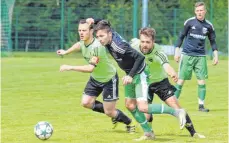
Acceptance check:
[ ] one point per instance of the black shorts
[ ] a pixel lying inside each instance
(163, 89)
(108, 89)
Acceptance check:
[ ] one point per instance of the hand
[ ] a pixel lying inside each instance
(90, 21)
(65, 68)
(127, 80)
(177, 58)
(60, 52)
(174, 77)
(215, 61)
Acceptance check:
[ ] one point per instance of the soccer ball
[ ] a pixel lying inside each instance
(43, 130)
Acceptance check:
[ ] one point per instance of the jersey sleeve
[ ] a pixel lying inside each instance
(161, 57)
(182, 34)
(212, 37)
(139, 60)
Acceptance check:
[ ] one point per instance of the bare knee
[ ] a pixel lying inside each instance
(143, 106)
(143, 109)
(86, 104)
(130, 106)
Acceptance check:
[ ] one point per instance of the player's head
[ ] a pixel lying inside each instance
(147, 38)
(103, 32)
(85, 30)
(200, 10)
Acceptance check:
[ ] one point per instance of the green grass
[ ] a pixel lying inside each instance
(33, 90)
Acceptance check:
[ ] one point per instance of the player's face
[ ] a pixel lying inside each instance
(146, 44)
(200, 12)
(104, 37)
(84, 32)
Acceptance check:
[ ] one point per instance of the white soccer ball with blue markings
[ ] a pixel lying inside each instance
(43, 130)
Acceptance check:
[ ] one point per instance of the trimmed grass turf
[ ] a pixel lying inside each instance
(33, 90)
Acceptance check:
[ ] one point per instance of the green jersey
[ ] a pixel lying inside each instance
(154, 61)
(104, 70)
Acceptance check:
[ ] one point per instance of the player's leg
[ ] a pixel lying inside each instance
(184, 72)
(153, 108)
(165, 91)
(201, 74)
(110, 96)
(91, 92)
(130, 103)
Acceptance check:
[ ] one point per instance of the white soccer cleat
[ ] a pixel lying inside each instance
(197, 135)
(147, 136)
(181, 117)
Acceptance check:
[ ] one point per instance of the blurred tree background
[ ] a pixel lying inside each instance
(40, 26)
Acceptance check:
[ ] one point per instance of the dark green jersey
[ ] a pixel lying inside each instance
(104, 70)
(154, 61)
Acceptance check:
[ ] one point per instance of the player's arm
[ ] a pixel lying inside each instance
(211, 37)
(163, 59)
(85, 68)
(75, 47)
(182, 34)
(139, 60)
(170, 71)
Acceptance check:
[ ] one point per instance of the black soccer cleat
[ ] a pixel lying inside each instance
(202, 109)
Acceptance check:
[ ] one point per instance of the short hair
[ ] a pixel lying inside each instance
(199, 4)
(83, 21)
(103, 25)
(149, 32)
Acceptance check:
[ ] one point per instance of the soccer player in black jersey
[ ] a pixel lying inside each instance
(193, 57)
(135, 81)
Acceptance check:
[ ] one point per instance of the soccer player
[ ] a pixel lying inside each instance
(103, 77)
(193, 57)
(135, 82)
(159, 67)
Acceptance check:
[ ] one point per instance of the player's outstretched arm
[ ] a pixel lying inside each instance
(75, 47)
(85, 68)
(170, 71)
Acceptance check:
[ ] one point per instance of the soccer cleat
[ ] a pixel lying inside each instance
(181, 115)
(202, 109)
(147, 136)
(114, 122)
(197, 135)
(131, 128)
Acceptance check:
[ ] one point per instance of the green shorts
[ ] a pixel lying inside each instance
(198, 64)
(138, 89)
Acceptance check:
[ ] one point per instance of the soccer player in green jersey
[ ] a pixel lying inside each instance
(158, 68)
(193, 57)
(103, 77)
(135, 80)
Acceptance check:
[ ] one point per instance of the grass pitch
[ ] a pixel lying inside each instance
(34, 90)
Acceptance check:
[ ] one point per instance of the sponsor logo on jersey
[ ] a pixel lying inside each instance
(204, 30)
(198, 36)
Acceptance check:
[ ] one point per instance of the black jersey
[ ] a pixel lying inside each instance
(195, 33)
(128, 59)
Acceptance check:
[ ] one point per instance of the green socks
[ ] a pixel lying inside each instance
(160, 109)
(201, 93)
(178, 91)
(141, 119)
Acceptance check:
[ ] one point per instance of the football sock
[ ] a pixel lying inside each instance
(201, 93)
(178, 90)
(98, 107)
(160, 109)
(141, 119)
(121, 117)
(189, 126)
